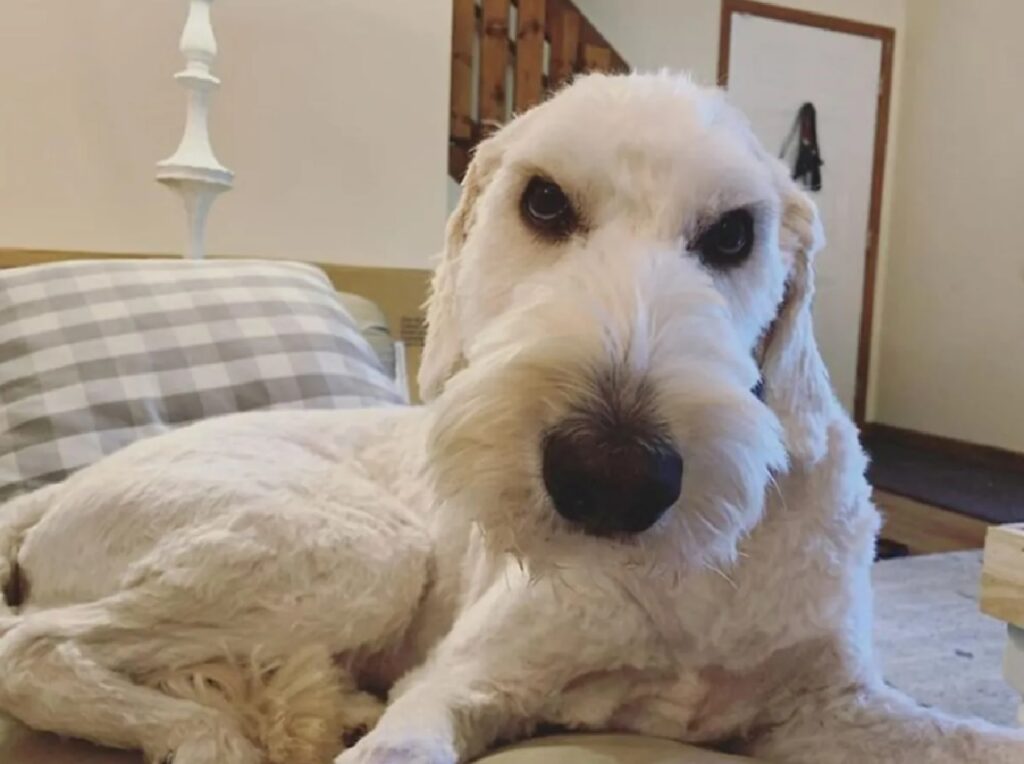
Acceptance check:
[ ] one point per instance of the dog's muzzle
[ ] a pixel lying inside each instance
(610, 483)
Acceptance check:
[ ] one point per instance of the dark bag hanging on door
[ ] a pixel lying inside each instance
(807, 167)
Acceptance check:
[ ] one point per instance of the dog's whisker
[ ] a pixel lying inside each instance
(773, 482)
(708, 524)
(719, 572)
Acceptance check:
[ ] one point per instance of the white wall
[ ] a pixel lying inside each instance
(953, 342)
(333, 113)
(948, 347)
(683, 34)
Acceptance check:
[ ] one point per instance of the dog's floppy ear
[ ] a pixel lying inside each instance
(796, 382)
(443, 348)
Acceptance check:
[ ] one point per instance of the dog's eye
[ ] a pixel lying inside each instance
(547, 209)
(727, 242)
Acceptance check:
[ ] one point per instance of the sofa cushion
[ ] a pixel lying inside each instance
(97, 354)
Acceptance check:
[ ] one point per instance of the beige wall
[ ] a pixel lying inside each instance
(333, 114)
(952, 351)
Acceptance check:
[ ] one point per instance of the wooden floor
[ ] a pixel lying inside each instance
(926, 529)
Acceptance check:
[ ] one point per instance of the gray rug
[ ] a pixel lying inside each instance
(934, 642)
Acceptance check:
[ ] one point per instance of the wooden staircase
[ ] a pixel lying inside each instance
(507, 55)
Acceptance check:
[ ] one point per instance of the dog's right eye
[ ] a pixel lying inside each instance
(547, 209)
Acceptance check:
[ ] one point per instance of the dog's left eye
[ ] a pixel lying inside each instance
(547, 209)
(728, 241)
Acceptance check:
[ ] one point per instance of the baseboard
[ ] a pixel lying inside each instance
(975, 453)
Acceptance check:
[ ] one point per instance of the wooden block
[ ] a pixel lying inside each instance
(494, 47)
(1013, 666)
(463, 32)
(530, 54)
(1002, 577)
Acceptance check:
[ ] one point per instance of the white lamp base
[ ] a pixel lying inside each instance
(193, 170)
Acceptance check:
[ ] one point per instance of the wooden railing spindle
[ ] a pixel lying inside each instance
(564, 23)
(494, 50)
(529, 79)
(463, 32)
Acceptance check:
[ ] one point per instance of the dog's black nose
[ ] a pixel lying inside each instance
(610, 483)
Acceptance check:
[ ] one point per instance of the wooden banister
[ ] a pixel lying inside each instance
(564, 25)
(463, 34)
(529, 79)
(507, 55)
(494, 63)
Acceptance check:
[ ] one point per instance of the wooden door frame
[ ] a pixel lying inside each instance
(887, 36)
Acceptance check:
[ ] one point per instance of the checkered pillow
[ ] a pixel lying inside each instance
(97, 354)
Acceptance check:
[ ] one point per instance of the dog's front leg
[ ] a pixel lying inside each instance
(873, 724)
(503, 661)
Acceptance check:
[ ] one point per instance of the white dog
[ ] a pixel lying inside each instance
(596, 522)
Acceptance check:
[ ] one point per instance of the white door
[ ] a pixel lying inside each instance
(774, 67)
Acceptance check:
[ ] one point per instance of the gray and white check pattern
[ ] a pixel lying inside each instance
(95, 355)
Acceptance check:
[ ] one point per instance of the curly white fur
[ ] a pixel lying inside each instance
(418, 547)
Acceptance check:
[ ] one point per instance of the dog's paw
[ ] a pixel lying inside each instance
(360, 714)
(380, 749)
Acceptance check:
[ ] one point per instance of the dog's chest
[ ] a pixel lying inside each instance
(699, 706)
(709, 693)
